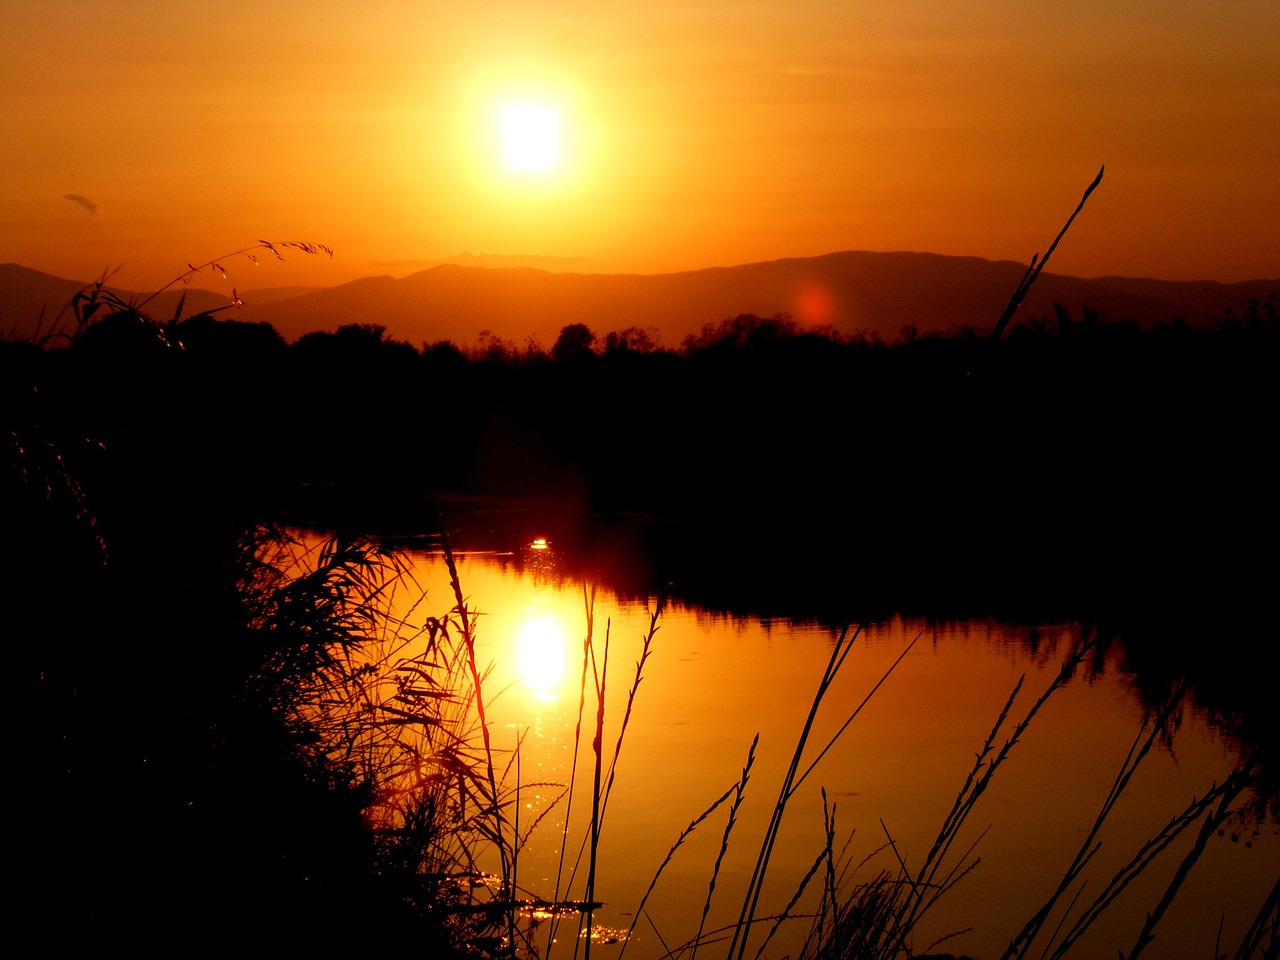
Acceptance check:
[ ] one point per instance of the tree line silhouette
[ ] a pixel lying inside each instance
(1102, 438)
(1071, 457)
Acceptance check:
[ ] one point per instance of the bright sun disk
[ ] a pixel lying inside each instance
(530, 136)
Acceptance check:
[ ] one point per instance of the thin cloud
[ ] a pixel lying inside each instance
(83, 201)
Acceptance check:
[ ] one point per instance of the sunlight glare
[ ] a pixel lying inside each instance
(541, 655)
(530, 136)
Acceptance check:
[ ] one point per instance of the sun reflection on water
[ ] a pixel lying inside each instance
(541, 655)
(540, 641)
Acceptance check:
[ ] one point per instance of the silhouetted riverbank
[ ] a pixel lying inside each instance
(1080, 468)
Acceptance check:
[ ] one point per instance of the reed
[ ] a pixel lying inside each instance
(98, 301)
(447, 798)
(410, 709)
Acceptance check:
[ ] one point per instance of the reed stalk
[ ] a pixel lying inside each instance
(738, 793)
(1036, 265)
(600, 673)
(653, 883)
(925, 888)
(1144, 740)
(588, 597)
(747, 915)
(494, 811)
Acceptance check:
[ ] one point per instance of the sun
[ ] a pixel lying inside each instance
(530, 136)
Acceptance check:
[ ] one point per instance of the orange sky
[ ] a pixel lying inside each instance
(148, 134)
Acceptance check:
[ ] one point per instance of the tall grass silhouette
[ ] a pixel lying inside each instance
(467, 808)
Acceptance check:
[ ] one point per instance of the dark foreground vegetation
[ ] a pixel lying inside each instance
(172, 779)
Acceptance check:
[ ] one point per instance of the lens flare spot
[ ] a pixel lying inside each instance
(814, 304)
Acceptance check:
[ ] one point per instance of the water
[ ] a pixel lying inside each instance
(712, 682)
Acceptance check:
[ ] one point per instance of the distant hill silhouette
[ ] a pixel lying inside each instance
(852, 291)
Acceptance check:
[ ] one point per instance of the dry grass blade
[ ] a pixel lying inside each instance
(653, 883)
(977, 785)
(739, 793)
(588, 596)
(1226, 795)
(856, 710)
(1265, 927)
(746, 918)
(1144, 740)
(1145, 856)
(597, 746)
(215, 264)
(469, 645)
(645, 650)
(830, 924)
(823, 856)
(1033, 271)
(603, 777)
(793, 779)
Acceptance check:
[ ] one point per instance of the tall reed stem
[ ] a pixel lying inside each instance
(741, 932)
(469, 643)
(1036, 265)
(597, 745)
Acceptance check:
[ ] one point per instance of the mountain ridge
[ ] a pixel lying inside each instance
(852, 292)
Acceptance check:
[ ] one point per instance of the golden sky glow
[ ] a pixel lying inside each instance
(148, 134)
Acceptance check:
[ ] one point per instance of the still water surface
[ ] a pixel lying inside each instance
(713, 682)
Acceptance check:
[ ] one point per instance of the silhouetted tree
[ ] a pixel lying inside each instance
(491, 348)
(631, 340)
(444, 352)
(746, 331)
(230, 340)
(354, 346)
(574, 344)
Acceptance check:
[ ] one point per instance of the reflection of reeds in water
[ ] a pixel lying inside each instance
(412, 720)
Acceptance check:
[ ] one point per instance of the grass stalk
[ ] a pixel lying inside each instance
(739, 792)
(216, 264)
(588, 597)
(469, 645)
(653, 883)
(824, 857)
(924, 887)
(741, 933)
(600, 673)
(1265, 927)
(603, 780)
(1222, 795)
(1144, 740)
(1036, 265)
(854, 714)
(646, 649)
